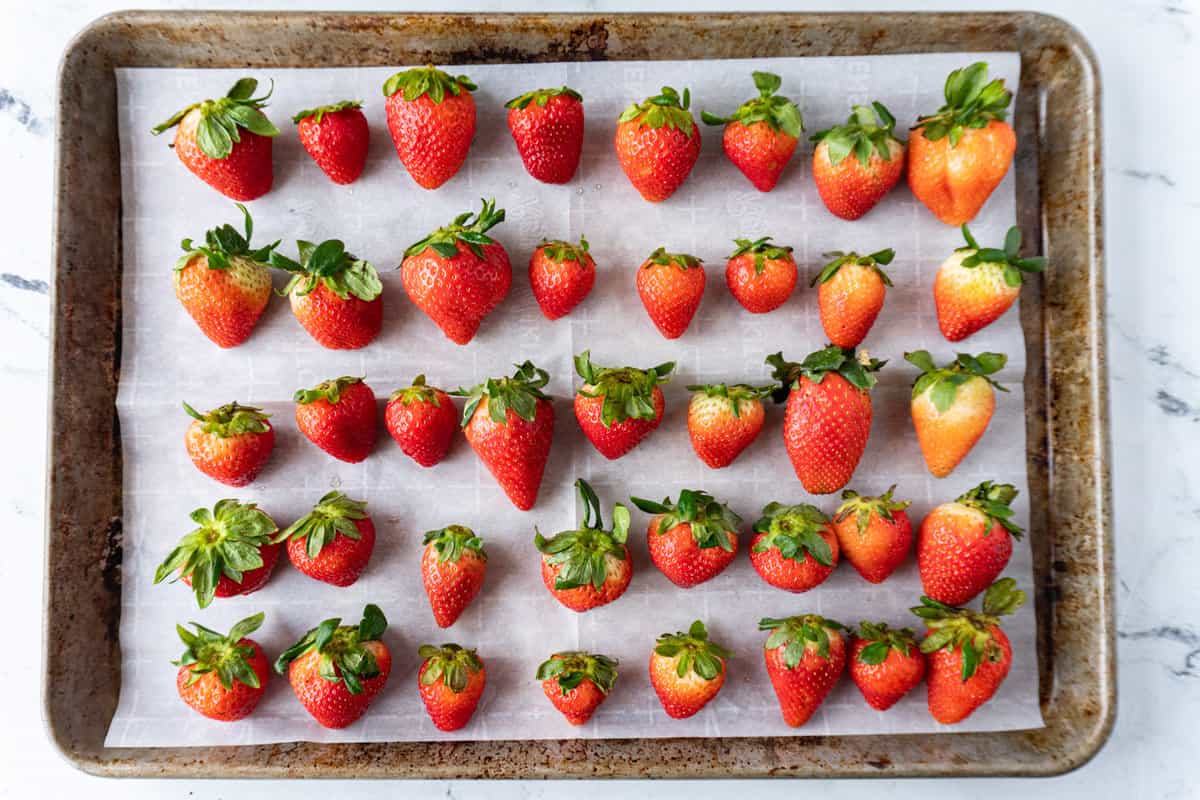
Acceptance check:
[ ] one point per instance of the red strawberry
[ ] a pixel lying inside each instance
(337, 137)
(576, 682)
(230, 444)
(452, 568)
(618, 407)
(692, 540)
(976, 285)
(431, 116)
(223, 284)
(851, 294)
(687, 670)
(510, 424)
(229, 553)
(227, 142)
(963, 546)
(828, 416)
(671, 286)
(850, 187)
(761, 135)
(457, 274)
(222, 677)
(885, 664)
(805, 657)
(336, 296)
(589, 566)
(793, 547)
(760, 275)
(338, 416)
(423, 420)
(724, 420)
(336, 670)
(952, 406)
(451, 680)
(561, 275)
(333, 542)
(874, 532)
(969, 655)
(547, 125)
(657, 143)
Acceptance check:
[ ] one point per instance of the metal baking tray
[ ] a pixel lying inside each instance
(1058, 172)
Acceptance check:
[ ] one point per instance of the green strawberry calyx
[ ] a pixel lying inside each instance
(540, 97)
(520, 393)
(857, 368)
(869, 130)
(628, 392)
(230, 420)
(343, 657)
(862, 508)
(452, 541)
(221, 120)
(881, 640)
(330, 264)
(573, 667)
(777, 111)
(736, 394)
(875, 261)
(330, 391)
(971, 102)
(762, 250)
(226, 542)
(968, 631)
(665, 109)
(662, 258)
(333, 515)
(942, 383)
(696, 652)
(419, 392)
(429, 81)
(223, 244)
(583, 553)
(208, 651)
(797, 634)
(713, 524)
(319, 112)
(467, 228)
(559, 251)
(451, 663)
(994, 500)
(1008, 259)
(795, 531)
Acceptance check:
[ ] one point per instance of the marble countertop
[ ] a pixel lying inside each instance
(1147, 50)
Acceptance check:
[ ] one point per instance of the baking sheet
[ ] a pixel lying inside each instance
(515, 623)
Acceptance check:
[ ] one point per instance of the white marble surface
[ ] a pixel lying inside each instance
(1148, 54)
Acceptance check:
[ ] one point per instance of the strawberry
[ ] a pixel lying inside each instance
(452, 568)
(885, 664)
(761, 135)
(692, 540)
(547, 125)
(671, 286)
(952, 406)
(336, 670)
(222, 677)
(959, 155)
(969, 655)
(657, 143)
(963, 546)
(227, 142)
(431, 116)
(338, 416)
(337, 297)
(805, 656)
(850, 187)
(760, 275)
(561, 275)
(851, 293)
(230, 444)
(793, 547)
(976, 285)
(509, 422)
(223, 284)
(229, 553)
(618, 407)
(687, 670)
(451, 680)
(577, 682)
(423, 420)
(337, 137)
(875, 533)
(590, 566)
(828, 416)
(333, 542)
(458, 274)
(724, 420)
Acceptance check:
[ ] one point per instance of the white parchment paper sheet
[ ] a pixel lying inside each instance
(515, 623)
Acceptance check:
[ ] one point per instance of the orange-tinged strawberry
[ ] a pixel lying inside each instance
(761, 135)
(577, 682)
(336, 296)
(850, 294)
(423, 420)
(230, 444)
(333, 542)
(693, 540)
(875, 533)
(338, 416)
(431, 117)
(963, 546)
(657, 143)
(222, 676)
(453, 567)
(337, 137)
(589, 566)
(976, 285)
(885, 664)
(952, 405)
(760, 275)
(671, 286)
(724, 420)
(805, 655)
(618, 407)
(687, 670)
(793, 547)
(547, 126)
(856, 164)
(451, 681)
(561, 275)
